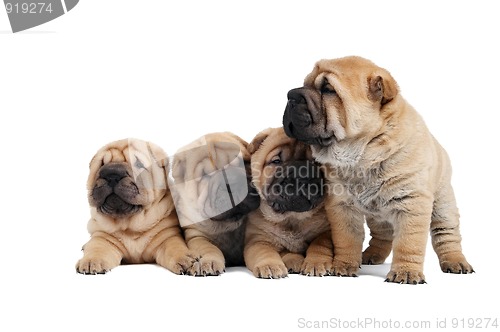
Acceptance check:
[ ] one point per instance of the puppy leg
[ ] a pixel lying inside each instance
(319, 256)
(264, 261)
(411, 226)
(174, 255)
(292, 261)
(348, 232)
(380, 244)
(445, 233)
(99, 256)
(211, 259)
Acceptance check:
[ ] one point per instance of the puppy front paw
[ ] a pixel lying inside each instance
(317, 266)
(94, 265)
(345, 268)
(458, 266)
(405, 276)
(271, 271)
(207, 266)
(455, 262)
(181, 264)
(293, 262)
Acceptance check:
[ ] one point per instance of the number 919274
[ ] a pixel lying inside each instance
(474, 323)
(28, 8)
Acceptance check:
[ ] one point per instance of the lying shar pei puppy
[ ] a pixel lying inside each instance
(382, 164)
(211, 185)
(291, 221)
(132, 213)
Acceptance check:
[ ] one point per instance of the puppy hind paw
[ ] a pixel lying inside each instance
(372, 257)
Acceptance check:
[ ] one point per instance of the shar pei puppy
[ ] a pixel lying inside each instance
(211, 185)
(291, 222)
(382, 164)
(133, 219)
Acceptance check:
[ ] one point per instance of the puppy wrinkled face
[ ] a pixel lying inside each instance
(124, 180)
(287, 178)
(341, 99)
(291, 182)
(212, 180)
(305, 118)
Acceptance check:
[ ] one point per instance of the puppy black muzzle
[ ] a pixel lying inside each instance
(115, 194)
(113, 173)
(297, 186)
(304, 118)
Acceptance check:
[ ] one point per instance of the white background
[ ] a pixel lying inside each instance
(171, 71)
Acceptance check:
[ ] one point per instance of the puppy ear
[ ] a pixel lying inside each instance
(258, 140)
(243, 146)
(94, 166)
(179, 168)
(382, 88)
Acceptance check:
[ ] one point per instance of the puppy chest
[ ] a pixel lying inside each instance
(135, 246)
(296, 237)
(378, 198)
(292, 241)
(367, 197)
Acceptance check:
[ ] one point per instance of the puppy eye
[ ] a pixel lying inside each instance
(327, 88)
(276, 160)
(139, 164)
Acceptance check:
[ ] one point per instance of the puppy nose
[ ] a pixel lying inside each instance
(113, 173)
(295, 97)
(112, 179)
(297, 111)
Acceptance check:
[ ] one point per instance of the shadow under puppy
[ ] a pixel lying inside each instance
(291, 220)
(132, 213)
(211, 183)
